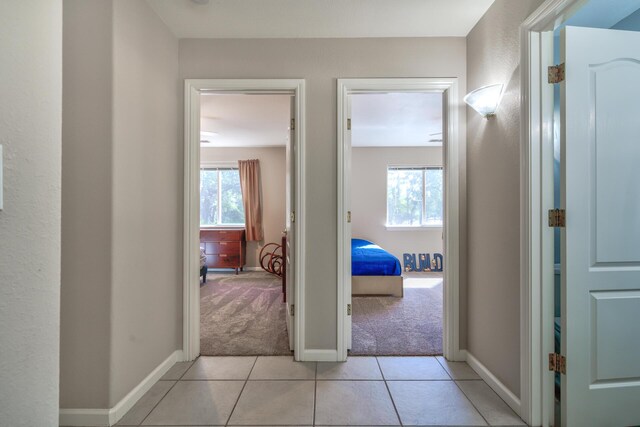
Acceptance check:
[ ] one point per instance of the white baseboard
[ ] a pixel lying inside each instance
(318, 355)
(85, 417)
(109, 417)
(493, 382)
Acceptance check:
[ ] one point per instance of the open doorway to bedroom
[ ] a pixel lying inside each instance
(243, 187)
(243, 275)
(398, 218)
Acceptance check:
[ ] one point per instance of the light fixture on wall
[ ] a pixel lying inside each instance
(485, 100)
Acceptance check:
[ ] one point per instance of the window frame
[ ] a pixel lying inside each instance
(424, 168)
(218, 165)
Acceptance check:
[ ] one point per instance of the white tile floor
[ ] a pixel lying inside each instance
(277, 391)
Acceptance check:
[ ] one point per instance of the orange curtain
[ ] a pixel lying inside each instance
(251, 198)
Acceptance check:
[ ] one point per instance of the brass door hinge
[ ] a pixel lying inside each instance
(293, 310)
(556, 74)
(557, 363)
(348, 309)
(349, 216)
(557, 218)
(293, 124)
(348, 124)
(292, 216)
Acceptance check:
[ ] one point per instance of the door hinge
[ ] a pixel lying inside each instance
(556, 74)
(293, 124)
(349, 216)
(557, 363)
(293, 310)
(292, 216)
(557, 218)
(348, 309)
(348, 124)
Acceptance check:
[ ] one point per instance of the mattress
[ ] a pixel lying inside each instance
(369, 259)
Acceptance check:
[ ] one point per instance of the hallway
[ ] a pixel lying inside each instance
(279, 391)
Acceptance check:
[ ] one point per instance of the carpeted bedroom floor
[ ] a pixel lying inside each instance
(244, 315)
(408, 326)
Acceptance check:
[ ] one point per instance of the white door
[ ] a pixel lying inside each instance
(289, 223)
(601, 242)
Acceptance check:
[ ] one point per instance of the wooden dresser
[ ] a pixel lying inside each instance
(224, 247)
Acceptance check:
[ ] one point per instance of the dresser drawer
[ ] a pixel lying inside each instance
(223, 235)
(213, 248)
(223, 261)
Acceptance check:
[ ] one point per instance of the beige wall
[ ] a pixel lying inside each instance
(493, 175)
(146, 308)
(369, 198)
(321, 62)
(122, 185)
(86, 204)
(272, 169)
(30, 127)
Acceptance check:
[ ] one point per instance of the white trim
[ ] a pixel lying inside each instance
(211, 164)
(413, 228)
(493, 382)
(451, 150)
(321, 355)
(109, 417)
(191, 280)
(536, 390)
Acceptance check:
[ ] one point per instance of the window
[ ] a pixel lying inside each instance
(220, 197)
(414, 196)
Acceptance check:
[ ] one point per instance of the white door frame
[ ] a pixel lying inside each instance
(451, 153)
(536, 198)
(191, 238)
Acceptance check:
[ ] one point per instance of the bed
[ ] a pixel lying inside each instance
(374, 271)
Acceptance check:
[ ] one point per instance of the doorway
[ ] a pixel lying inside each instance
(396, 223)
(568, 309)
(229, 216)
(244, 146)
(446, 90)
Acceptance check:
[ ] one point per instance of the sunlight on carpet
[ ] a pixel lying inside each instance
(243, 315)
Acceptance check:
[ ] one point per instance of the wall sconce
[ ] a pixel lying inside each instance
(485, 100)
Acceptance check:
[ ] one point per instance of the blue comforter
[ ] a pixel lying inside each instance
(369, 259)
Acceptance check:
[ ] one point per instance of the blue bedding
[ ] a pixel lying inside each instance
(369, 259)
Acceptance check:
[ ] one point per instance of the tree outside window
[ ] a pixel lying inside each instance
(414, 196)
(220, 197)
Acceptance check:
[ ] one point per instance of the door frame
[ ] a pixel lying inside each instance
(451, 228)
(191, 229)
(536, 198)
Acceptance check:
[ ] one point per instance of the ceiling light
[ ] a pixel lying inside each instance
(485, 100)
(202, 2)
(206, 137)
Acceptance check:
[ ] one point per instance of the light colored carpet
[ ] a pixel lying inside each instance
(243, 315)
(409, 326)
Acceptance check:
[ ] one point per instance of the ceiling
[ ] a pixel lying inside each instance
(378, 120)
(244, 120)
(320, 18)
(396, 120)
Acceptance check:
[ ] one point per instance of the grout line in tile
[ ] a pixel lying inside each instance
(156, 405)
(444, 368)
(241, 391)
(389, 391)
(472, 404)
(185, 371)
(315, 395)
